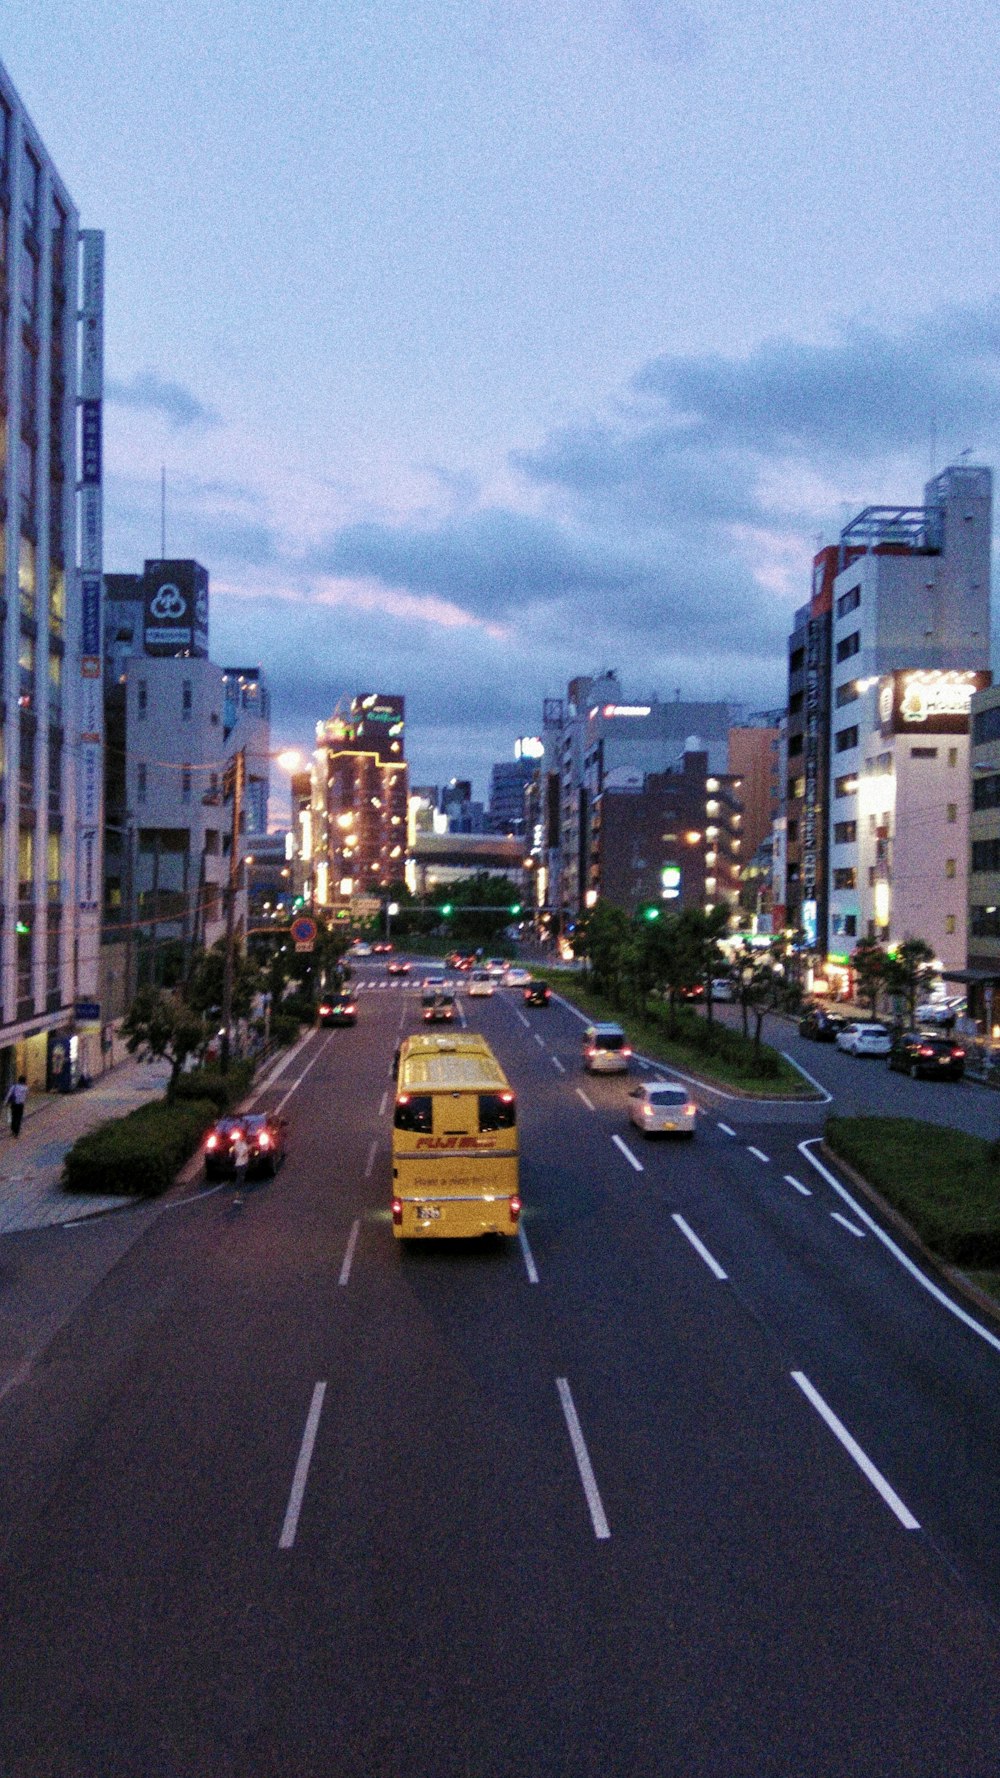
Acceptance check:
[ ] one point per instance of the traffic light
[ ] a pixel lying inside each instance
(516, 909)
(650, 913)
(445, 909)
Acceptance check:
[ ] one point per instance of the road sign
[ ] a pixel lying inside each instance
(304, 932)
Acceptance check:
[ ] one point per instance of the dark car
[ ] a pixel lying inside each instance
(438, 1008)
(537, 994)
(264, 1133)
(341, 1011)
(820, 1025)
(927, 1053)
(397, 966)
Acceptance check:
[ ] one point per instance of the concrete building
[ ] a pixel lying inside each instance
(910, 645)
(509, 780)
(754, 750)
(359, 803)
(983, 958)
(437, 860)
(667, 839)
(805, 747)
(50, 709)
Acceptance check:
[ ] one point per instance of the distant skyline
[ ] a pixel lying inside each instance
(489, 343)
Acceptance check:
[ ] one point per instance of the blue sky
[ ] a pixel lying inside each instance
(487, 342)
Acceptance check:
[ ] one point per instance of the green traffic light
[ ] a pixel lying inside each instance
(651, 913)
(516, 909)
(446, 908)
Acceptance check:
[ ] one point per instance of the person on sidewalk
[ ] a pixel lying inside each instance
(17, 1093)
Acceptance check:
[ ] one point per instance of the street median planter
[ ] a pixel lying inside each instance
(138, 1155)
(944, 1183)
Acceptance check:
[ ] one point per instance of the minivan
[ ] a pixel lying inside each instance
(605, 1050)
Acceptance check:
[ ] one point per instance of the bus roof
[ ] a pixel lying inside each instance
(445, 1063)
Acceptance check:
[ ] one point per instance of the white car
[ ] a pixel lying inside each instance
(661, 1105)
(938, 1012)
(860, 1039)
(517, 978)
(722, 988)
(481, 985)
(360, 951)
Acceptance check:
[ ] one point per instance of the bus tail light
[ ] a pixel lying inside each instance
(397, 1212)
(515, 1208)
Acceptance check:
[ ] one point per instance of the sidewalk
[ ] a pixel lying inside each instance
(31, 1165)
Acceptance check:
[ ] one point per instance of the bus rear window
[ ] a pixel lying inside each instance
(414, 1111)
(497, 1111)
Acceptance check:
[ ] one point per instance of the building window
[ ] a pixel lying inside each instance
(845, 879)
(952, 811)
(985, 922)
(794, 745)
(845, 833)
(793, 832)
(986, 724)
(140, 784)
(949, 867)
(953, 756)
(796, 789)
(847, 694)
(986, 792)
(142, 698)
(794, 706)
(796, 660)
(849, 601)
(845, 786)
(850, 925)
(845, 738)
(848, 645)
(186, 700)
(949, 924)
(986, 855)
(32, 178)
(923, 753)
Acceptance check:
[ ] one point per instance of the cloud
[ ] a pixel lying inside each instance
(151, 394)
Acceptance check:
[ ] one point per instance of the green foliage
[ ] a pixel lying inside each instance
(868, 961)
(944, 1182)
(285, 1028)
(204, 988)
(138, 1154)
(908, 973)
(300, 1006)
(481, 907)
(224, 1090)
(164, 1026)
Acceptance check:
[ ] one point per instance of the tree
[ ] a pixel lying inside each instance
(704, 930)
(165, 1026)
(759, 987)
(204, 988)
(605, 934)
(868, 961)
(908, 973)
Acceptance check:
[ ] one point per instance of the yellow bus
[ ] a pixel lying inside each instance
(454, 1140)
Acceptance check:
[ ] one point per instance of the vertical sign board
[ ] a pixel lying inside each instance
(90, 780)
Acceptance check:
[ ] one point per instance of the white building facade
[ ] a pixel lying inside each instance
(911, 645)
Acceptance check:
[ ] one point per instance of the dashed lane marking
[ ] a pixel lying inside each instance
(726, 1130)
(557, 1064)
(851, 1446)
(352, 1241)
(582, 1095)
(847, 1225)
(688, 1232)
(627, 1152)
(759, 1152)
(804, 1189)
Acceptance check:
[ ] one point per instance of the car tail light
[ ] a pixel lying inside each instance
(213, 1142)
(506, 1098)
(590, 1052)
(402, 1098)
(515, 1207)
(351, 1007)
(690, 1111)
(325, 1011)
(397, 1212)
(957, 1053)
(625, 1050)
(925, 1050)
(263, 1140)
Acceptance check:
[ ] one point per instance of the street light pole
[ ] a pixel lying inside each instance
(239, 767)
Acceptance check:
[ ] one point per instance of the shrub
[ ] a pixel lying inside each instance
(140, 1153)
(298, 1006)
(943, 1181)
(224, 1090)
(285, 1028)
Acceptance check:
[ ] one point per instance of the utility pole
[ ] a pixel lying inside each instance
(238, 769)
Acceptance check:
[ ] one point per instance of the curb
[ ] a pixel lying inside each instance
(950, 1275)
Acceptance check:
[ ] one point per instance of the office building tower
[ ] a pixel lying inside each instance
(359, 807)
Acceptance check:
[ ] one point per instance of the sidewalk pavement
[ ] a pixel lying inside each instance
(31, 1164)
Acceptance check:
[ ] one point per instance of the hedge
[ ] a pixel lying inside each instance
(138, 1154)
(944, 1182)
(285, 1028)
(224, 1090)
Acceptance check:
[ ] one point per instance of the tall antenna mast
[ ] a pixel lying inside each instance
(163, 512)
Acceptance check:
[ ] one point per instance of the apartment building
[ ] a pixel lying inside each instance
(668, 839)
(360, 787)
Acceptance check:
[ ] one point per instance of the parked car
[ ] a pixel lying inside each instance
(341, 1011)
(820, 1025)
(659, 1106)
(537, 993)
(859, 1038)
(438, 1008)
(481, 984)
(695, 992)
(265, 1136)
(927, 1053)
(941, 1013)
(605, 1050)
(397, 966)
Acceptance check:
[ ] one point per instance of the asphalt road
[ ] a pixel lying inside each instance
(699, 1478)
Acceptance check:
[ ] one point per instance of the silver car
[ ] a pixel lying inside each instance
(860, 1039)
(659, 1106)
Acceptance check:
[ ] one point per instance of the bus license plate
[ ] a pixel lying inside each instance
(428, 1212)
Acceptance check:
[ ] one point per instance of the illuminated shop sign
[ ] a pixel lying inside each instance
(626, 710)
(529, 747)
(926, 702)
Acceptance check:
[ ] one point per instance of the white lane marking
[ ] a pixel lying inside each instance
(530, 1267)
(372, 1152)
(759, 1152)
(847, 1225)
(582, 1095)
(539, 1039)
(643, 1062)
(269, 1079)
(627, 1152)
(19, 1375)
(522, 1018)
(699, 1247)
(297, 1083)
(382, 1103)
(557, 1064)
(725, 1128)
(601, 1527)
(897, 1252)
(804, 1189)
(290, 1525)
(811, 1078)
(352, 1241)
(461, 1014)
(402, 1017)
(865, 1464)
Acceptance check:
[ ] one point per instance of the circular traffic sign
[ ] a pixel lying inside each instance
(303, 929)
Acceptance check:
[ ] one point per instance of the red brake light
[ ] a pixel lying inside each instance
(263, 1140)
(397, 1211)
(325, 1011)
(507, 1098)
(402, 1098)
(515, 1208)
(958, 1052)
(625, 1050)
(690, 1110)
(925, 1050)
(351, 1007)
(213, 1141)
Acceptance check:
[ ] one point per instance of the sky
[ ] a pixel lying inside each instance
(491, 342)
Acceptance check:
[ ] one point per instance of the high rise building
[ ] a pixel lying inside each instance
(51, 286)
(667, 839)
(359, 806)
(509, 780)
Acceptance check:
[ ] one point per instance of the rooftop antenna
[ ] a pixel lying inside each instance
(163, 512)
(933, 444)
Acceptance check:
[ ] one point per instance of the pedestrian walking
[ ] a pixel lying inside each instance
(241, 1159)
(17, 1093)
